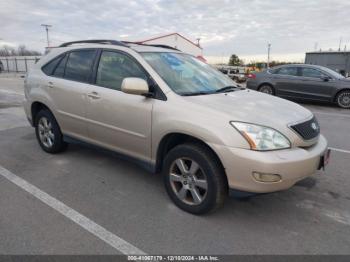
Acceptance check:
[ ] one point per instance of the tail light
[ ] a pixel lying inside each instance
(252, 76)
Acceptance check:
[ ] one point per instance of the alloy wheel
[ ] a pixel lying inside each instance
(266, 89)
(188, 181)
(344, 100)
(46, 134)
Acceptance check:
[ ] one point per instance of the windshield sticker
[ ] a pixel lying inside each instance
(172, 60)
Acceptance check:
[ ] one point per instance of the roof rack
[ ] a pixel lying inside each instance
(115, 42)
(102, 41)
(164, 46)
(154, 45)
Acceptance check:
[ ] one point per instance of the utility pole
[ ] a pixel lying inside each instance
(268, 55)
(341, 39)
(47, 33)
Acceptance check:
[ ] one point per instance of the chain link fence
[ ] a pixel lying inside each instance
(17, 64)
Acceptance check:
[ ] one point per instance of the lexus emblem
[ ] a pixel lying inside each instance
(314, 126)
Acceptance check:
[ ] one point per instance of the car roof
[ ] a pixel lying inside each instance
(299, 65)
(123, 46)
(111, 44)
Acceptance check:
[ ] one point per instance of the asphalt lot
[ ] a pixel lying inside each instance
(88, 191)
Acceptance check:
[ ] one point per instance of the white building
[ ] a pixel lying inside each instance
(177, 41)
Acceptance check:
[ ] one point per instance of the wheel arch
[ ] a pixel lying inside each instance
(171, 140)
(36, 107)
(338, 92)
(266, 83)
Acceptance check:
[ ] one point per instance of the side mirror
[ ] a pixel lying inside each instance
(325, 78)
(135, 86)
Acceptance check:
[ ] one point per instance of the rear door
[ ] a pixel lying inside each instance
(117, 120)
(286, 81)
(316, 84)
(68, 86)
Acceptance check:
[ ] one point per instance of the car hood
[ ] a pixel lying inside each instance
(254, 107)
(257, 108)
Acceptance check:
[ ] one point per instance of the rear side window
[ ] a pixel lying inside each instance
(114, 67)
(79, 65)
(59, 71)
(50, 67)
(289, 71)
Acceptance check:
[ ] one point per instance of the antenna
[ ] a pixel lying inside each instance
(198, 39)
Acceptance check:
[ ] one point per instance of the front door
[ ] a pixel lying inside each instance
(117, 120)
(316, 85)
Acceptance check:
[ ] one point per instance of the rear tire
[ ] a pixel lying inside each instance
(48, 132)
(193, 178)
(343, 99)
(267, 89)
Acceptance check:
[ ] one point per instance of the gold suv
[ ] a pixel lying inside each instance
(175, 115)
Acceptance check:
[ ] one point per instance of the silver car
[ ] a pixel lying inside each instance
(173, 114)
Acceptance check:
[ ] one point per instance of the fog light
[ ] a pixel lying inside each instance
(264, 177)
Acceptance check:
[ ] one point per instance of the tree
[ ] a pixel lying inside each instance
(20, 51)
(234, 60)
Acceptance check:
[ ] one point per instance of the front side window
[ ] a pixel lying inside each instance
(114, 67)
(310, 72)
(79, 65)
(187, 75)
(288, 71)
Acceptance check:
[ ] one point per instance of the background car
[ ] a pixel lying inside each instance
(237, 75)
(300, 81)
(1, 67)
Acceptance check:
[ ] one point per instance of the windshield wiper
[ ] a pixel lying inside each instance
(196, 93)
(226, 89)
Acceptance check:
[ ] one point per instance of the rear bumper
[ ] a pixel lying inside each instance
(251, 84)
(291, 164)
(27, 110)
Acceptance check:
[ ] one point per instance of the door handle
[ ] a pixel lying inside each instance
(50, 84)
(94, 95)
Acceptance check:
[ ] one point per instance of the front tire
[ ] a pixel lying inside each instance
(343, 99)
(48, 133)
(194, 179)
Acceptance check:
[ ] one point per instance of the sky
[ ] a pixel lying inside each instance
(243, 27)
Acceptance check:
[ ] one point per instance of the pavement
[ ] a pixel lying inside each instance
(87, 201)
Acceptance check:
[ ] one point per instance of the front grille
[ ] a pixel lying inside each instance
(307, 130)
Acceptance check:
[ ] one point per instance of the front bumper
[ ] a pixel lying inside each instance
(291, 164)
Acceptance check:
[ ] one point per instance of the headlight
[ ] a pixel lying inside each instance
(260, 137)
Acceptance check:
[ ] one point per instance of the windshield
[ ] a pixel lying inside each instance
(187, 75)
